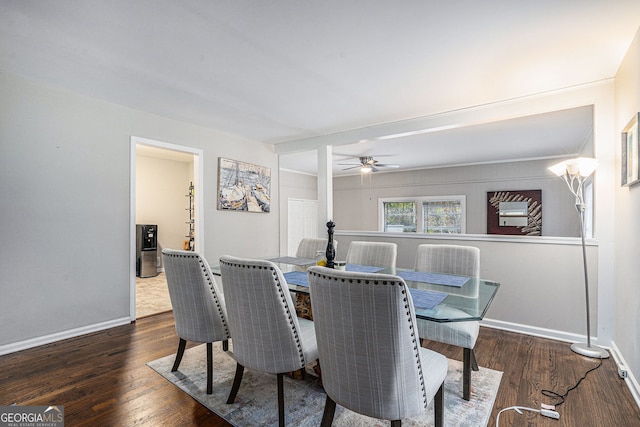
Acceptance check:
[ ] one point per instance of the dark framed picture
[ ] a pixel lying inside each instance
(243, 186)
(630, 171)
(516, 212)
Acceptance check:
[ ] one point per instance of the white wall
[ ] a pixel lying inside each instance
(541, 278)
(627, 231)
(559, 216)
(64, 217)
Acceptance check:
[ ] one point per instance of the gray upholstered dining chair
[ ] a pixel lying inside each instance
(371, 360)
(267, 335)
(309, 247)
(461, 261)
(198, 305)
(377, 254)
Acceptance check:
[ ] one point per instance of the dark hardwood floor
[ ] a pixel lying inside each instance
(101, 380)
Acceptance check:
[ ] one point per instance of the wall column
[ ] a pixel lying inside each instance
(325, 188)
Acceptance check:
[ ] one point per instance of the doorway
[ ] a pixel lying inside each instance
(166, 190)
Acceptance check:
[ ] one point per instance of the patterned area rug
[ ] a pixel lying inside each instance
(152, 295)
(256, 403)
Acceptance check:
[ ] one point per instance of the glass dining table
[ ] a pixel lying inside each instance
(436, 297)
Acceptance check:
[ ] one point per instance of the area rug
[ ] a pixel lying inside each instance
(256, 403)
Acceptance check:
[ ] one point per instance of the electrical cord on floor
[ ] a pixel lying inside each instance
(555, 395)
(548, 410)
(519, 409)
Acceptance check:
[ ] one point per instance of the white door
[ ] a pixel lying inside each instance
(302, 222)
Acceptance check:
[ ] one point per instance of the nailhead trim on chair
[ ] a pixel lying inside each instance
(215, 296)
(286, 307)
(408, 313)
(209, 281)
(282, 298)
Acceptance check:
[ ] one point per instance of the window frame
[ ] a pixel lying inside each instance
(420, 200)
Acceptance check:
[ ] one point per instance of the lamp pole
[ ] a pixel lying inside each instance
(580, 348)
(575, 172)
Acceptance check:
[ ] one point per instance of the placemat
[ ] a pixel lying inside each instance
(426, 299)
(296, 278)
(363, 268)
(436, 279)
(293, 260)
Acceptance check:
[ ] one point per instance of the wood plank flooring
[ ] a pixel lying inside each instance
(101, 379)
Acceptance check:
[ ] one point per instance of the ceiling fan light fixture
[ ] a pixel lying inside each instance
(367, 165)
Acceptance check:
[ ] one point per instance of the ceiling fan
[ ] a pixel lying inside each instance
(368, 164)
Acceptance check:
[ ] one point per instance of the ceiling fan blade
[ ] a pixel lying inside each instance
(368, 162)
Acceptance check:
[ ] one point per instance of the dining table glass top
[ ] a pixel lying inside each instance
(436, 297)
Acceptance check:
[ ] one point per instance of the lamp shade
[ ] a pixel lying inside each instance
(365, 169)
(583, 166)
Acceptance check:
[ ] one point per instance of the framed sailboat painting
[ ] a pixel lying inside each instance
(243, 186)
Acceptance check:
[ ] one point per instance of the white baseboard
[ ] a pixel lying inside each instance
(536, 331)
(58, 336)
(631, 380)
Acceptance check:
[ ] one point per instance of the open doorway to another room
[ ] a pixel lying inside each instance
(165, 214)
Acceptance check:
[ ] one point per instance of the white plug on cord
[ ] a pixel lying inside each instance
(550, 413)
(546, 411)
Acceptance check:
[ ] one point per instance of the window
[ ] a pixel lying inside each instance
(442, 216)
(400, 217)
(432, 215)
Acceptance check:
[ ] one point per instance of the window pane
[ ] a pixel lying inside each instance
(400, 217)
(442, 217)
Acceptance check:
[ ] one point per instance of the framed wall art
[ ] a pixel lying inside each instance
(243, 186)
(629, 155)
(514, 212)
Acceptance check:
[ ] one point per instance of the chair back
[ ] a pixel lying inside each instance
(262, 317)
(378, 254)
(367, 342)
(197, 302)
(309, 247)
(448, 259)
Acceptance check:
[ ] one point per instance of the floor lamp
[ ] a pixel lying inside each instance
(575, 172)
